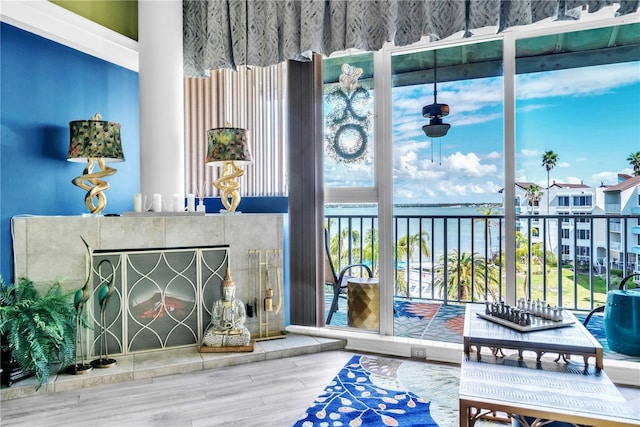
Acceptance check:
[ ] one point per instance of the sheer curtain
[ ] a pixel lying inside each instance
(251, 99)
(226, 34)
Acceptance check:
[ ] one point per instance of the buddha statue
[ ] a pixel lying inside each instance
(228, 315)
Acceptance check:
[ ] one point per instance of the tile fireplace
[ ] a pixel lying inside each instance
(167, 271)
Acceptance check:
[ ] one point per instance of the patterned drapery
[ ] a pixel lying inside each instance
(228, 33)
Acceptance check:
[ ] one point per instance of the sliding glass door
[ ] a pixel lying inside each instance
(486, 169)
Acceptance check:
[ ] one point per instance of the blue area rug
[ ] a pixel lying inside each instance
(378, 391)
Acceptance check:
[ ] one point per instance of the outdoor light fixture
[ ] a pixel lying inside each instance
(95, 141)
(435, 112)
(228, 147)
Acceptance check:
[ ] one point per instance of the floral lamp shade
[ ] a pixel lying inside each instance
(228, 145)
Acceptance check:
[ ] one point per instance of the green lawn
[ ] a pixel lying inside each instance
(582, 300)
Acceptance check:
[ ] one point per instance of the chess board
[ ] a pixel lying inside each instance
(537, 323)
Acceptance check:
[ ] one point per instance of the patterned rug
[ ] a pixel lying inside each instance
(445, 322)
(378, 391)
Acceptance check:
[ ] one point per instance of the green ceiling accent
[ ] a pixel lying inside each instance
(118, 15)
(575, 49)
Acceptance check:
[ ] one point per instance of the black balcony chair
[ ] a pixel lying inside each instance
(621, 318)
(338, 282)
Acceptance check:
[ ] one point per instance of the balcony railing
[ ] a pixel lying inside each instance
(461, 258)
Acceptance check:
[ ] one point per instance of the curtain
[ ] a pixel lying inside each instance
(230, 33)
(252, 99)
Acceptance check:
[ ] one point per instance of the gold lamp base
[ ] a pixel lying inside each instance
(228, 185)
(97, 187)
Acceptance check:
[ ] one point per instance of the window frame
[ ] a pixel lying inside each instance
(382, 193)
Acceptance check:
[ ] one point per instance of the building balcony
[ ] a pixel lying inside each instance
(612, 209)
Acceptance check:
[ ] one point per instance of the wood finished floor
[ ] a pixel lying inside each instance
(268, 393)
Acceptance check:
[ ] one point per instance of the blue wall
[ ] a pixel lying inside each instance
(44, 86)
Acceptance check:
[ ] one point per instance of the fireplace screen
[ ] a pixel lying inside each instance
(158, 297)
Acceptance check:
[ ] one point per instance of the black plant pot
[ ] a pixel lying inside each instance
(11, 372)
(5, 369)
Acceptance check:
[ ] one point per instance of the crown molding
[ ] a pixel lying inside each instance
(55, 23)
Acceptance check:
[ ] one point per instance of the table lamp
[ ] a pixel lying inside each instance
(228, 147)
(95, 141)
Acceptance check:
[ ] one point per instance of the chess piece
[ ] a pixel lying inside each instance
(227, 327)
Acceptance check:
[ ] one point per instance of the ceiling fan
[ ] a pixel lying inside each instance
(435, 112)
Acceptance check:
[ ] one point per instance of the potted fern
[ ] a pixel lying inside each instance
(37, 330)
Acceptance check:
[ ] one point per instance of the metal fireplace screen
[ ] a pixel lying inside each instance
(157, 300)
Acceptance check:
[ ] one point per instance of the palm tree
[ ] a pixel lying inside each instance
(522, 259)
(405, 250)
(634, 161)
(343, 252)
(467, 276)
(549, 161)
(370, 250)
(490, 223)
(408, 244)
(533, 193)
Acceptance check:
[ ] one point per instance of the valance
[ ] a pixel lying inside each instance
(228, 33)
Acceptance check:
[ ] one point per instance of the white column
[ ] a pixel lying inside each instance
(161, 98)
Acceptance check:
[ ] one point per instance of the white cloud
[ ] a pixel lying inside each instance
(472, 119)
(521, 175)
(409, 125)
(466, 99)
(530, 153)
(531, 107)
(575, 81)
(408, 162)
(469, 164)
(493, 155)
(573, 180)
(458, 189)
(469, 188)
(608, 177)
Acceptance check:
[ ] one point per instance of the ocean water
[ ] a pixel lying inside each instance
(412, 210)
(449, 228)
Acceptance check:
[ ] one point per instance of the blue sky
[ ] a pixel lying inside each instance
(589, 116)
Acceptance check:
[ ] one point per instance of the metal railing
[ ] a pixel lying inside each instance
(461, 258)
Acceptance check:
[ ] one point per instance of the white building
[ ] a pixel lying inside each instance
(590, 237)
(622, 199)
